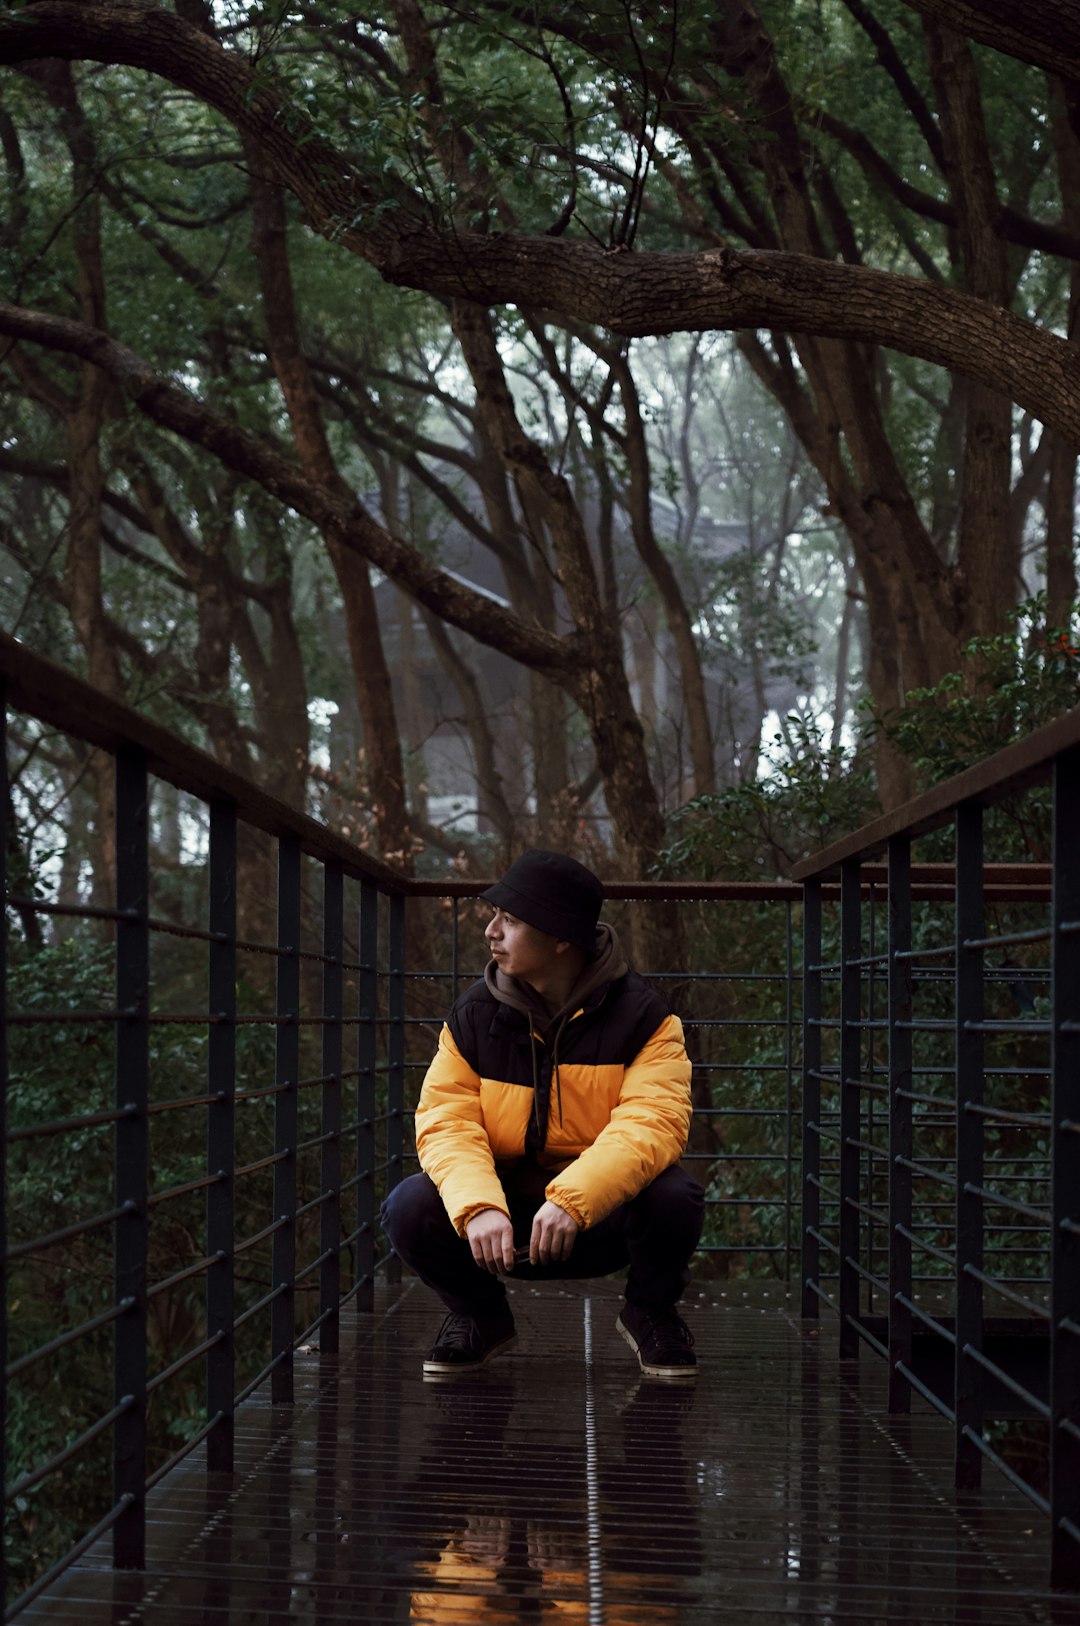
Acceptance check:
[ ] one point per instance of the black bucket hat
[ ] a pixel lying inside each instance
(552, 892)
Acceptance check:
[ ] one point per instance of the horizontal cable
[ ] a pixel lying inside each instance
(260, 1236)
(926, 1100)
(924, 1246)
(1032, 1026)
(185, 1190)
(1038, 1120)
(260, 1304)
(823, 1242)
(355, 1180)
(316, 1202)
(69, 1231)
(185, 1451)
(60, 1126)
(188, 1271)
(80, 911)
(1003, 1467)
(926, 1318)
(64, 1338)
(1039, 934)
(820, 1293)
(925, 1390)
(327, 1253)
(1007, 1379)
(82, 1018)
(262, 1163)
(867, 1276)
(184, 1360)
(866, 1146)
(83, 1545)
(182, 1102)
(263, 1091)
(998, 1286)
(1011, 1203)
(871, 1213)
(864, 1332)
(356, 1287)
(925, 1171)
(34, 1477)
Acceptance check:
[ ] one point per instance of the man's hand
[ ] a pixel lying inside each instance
(553, 1233)
(491, 1238)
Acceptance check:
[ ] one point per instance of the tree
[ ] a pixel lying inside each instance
(432, 199)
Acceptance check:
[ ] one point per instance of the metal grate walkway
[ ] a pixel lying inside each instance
(556, 1486)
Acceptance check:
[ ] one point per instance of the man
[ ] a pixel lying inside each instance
(549, 1130)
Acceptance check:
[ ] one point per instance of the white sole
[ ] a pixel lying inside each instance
(674, 1374)
(437, 1372)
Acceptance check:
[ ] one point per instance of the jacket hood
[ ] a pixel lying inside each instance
(605, 965)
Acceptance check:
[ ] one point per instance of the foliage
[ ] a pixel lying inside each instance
(810, 794)
(1006, 687)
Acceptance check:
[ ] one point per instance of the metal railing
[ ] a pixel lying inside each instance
(941, 1130)
(208, 1088)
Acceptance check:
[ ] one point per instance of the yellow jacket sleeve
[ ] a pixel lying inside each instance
(645, 1134)
(451, 1141)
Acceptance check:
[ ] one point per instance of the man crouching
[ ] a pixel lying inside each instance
(549, 1130)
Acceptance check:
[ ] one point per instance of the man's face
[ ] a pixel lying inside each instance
(521, 950)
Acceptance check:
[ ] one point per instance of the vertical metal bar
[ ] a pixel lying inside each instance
(286, 1117)
(871, 1058)
(810, 1267)
(5, 802)
(395, 1058)
(900, 1119)
(330, 1212)
(789, 1086)
(367, 1041)
(850, 1100)
(1065, 1182)
(132, 1153)
(455, 940)
(970, 924)
(221, 1136)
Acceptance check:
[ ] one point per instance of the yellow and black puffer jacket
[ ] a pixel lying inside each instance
(599, 1093)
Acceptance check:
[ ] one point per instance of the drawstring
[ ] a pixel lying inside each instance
(536, 1080)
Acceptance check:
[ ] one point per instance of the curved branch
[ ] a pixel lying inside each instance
(632, 294)
(175, 408)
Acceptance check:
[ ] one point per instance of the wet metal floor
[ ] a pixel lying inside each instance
(557, 1486)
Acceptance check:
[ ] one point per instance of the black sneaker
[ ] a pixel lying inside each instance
(467, 1342)
(660, 1338)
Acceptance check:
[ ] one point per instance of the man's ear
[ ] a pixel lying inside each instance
(561, 946)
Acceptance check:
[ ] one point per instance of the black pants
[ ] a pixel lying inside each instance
(654, 1234)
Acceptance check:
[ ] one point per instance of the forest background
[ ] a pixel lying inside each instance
(647, 430)
(503, 424)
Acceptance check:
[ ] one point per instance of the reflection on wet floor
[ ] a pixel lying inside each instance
(557, 1485)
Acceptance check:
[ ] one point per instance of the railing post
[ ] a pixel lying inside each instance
(132, 1154)
(5, 835)
(901, 1007)
(395, 1059)
(970, 928)
(221, 1137)
(789, 1087)
(367, 1042)
(330, 1212)
(850, 1100)
(1065, 1184)
(286, 1115)
(810, 1268)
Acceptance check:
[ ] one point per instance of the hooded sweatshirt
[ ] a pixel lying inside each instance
(596, 1094)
